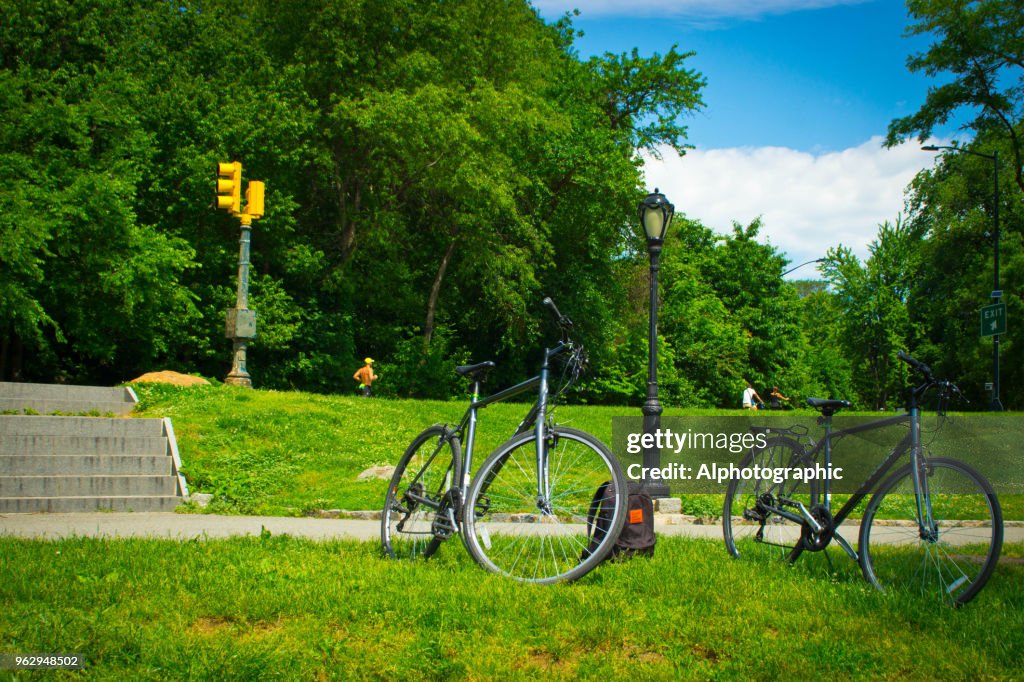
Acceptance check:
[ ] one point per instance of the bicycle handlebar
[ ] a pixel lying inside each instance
(945, 387)
(917, 365)
(564, 322)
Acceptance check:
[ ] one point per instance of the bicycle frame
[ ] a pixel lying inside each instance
(536, 417)
(912, 442)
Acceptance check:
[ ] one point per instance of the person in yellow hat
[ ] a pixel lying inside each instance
(365, 376)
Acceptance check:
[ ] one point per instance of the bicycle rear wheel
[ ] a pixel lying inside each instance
(505, 527)
(750, 529)
(419, 509)
(950, 562)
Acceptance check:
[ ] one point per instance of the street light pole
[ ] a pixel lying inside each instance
(997, 405)
(655, 216)
(816, 260)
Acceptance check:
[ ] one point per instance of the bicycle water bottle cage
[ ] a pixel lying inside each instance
(828, 407)
(477, 372)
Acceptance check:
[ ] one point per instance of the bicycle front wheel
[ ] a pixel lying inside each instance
(750, 527)
(419, 509)
(952, 560)
(511, 530)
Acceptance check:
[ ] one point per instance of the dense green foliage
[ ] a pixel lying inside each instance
(945, 274)
(433, 171)
(276, 607)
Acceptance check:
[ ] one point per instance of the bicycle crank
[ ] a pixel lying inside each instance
(444, 525)
(815, 541)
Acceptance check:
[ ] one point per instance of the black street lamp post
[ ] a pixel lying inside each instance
(655, 217)
(997, 405)
(816, 260)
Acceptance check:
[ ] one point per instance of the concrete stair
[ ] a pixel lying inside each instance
(50, 398)
(82, 464)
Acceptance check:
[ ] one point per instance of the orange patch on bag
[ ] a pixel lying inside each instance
(636, 515)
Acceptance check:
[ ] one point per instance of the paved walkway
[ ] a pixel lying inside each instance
(180, 526)
(189, 526)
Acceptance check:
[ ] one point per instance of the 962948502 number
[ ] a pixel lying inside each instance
(41, 661)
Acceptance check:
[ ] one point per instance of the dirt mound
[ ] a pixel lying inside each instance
(166, 377)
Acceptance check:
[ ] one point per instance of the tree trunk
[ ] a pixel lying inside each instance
(4, 343)
(435, 292)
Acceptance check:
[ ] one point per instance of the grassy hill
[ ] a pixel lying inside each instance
(280, 453)
(290, 453)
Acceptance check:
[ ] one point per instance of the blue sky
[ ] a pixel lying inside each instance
(799, 95)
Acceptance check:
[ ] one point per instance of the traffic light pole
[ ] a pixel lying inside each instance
(240, 325)
(240, 337)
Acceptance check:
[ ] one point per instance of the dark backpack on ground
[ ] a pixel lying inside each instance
(637, 535)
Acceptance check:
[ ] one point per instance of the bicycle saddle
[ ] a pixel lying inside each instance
(475, 372)
(828, 407)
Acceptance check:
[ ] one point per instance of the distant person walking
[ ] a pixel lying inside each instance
(750, 398)
(776, 398)
(365, 376)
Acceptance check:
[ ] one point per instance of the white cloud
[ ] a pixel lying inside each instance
(808, 202)
(686, 9)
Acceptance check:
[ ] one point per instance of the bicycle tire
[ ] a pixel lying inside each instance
(751, 532)
(955, 564)
(421, 487)
(507, 532)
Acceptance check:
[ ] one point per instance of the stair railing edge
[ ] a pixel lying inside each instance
(172, 443)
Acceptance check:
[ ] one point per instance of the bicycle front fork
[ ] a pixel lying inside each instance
(925, 518)
(927, 527)
(543, 471)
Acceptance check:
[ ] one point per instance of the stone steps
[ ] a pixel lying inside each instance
(82, 464)
(49, 398)
(85, 465)
(133, 503)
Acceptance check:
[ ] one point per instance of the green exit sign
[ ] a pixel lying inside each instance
(993, 319)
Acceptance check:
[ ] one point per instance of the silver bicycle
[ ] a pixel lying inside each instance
(524, 513)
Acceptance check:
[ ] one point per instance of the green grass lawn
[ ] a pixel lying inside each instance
(276, 607)
(283, 608)
(279, 453)
(285, 453)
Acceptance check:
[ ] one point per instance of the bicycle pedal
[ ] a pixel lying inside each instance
(444, 525)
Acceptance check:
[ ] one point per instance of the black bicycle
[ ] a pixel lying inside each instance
(934, 526)
(524, 513)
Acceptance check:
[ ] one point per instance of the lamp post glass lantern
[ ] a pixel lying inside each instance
(997, 404)
(655, 217)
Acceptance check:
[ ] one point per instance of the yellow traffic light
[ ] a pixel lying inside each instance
(229, 186)
(254, 199)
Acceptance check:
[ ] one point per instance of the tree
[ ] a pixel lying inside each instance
(873, 314)
(981, 46)
(951, 206)
(432, 169)
(90, 287)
